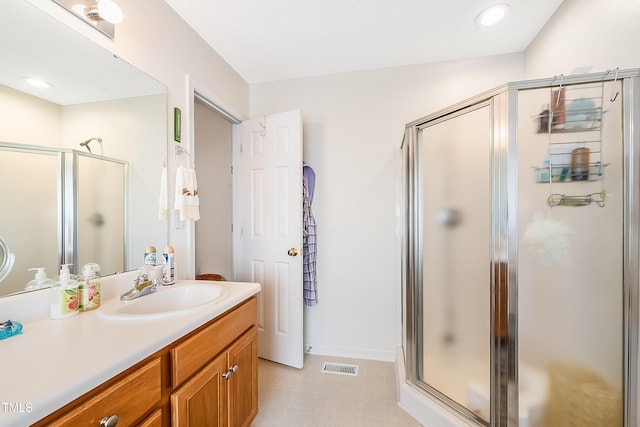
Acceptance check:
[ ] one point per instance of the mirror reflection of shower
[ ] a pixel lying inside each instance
(88, 141)
(97, 221)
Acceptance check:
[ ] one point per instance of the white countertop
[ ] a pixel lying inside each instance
(53, 362)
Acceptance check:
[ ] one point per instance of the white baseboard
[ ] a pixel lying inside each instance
(353, 353)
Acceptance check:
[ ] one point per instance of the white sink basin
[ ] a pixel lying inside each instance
(165, 302)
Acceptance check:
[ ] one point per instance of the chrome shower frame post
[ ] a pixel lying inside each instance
(504, 203)
(631, 136)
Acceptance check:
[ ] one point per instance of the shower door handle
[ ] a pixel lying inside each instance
(292, 252)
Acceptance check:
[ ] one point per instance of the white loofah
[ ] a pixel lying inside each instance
(549, 240)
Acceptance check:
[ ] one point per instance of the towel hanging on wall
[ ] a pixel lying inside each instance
(186, 198)
(308, 238)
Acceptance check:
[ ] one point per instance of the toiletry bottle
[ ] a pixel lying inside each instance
(543, 120)
(89, 287)
(41, 280)
(150, 255)
(168, 276)
(64, 295)
(580, 164)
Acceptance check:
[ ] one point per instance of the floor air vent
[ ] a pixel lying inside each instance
(339, 369)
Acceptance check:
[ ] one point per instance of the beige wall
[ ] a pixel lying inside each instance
(597, 33)
(20, 111)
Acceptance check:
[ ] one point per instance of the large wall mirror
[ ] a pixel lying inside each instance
(114, 179)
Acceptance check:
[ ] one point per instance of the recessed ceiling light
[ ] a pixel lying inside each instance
(34, 81)
(492, 15)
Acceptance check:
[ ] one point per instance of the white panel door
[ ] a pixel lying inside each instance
(270, 235)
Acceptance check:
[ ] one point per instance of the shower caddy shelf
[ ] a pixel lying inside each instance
(573, 124)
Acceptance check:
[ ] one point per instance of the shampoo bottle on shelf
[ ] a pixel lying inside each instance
(89, 287)
(64, 295)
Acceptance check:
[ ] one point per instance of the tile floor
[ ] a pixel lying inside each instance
(290, 397)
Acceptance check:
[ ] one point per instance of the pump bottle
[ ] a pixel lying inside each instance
(89, 287)
(64, 295)
(40, 281)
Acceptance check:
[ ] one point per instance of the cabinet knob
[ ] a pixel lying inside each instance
(109, 421)
(232, 370)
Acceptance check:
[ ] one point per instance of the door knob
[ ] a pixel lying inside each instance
(292, 252)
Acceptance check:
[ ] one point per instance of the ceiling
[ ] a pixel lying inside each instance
(269, 40)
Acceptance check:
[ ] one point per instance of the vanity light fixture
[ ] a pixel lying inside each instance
(34, 81)
(492, 15)
(101, 14)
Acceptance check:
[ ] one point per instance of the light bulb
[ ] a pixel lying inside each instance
(110, 11)
(34, 81)
(492, 15)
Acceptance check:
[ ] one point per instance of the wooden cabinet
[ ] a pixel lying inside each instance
(224, 392)
(207, 378)
(215, 382)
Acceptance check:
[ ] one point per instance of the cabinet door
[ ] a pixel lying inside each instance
(243, 383)
(202, 401)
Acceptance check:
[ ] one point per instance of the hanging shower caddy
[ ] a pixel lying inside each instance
(573, 123)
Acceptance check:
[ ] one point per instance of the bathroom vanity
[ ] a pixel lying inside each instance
(180, 370)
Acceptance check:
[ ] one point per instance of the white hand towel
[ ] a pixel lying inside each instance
(187, 201)
(162, 200)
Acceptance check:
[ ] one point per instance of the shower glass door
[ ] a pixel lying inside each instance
(571, 256)
(453, 162)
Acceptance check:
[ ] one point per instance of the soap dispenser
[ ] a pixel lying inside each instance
(89, 287)
(64, 295)
(41, 280)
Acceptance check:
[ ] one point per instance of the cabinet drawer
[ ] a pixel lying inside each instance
(129, 398)
(191, 355)
(153, 420)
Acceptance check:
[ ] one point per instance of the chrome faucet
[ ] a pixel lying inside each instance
(143, 285)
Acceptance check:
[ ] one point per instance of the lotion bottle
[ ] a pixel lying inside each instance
(64, 295)
(89, 287)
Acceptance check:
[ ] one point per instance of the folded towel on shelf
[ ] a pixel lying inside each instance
(187, 201)
(162, 200)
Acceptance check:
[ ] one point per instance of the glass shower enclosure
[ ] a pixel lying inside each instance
(520, 281)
